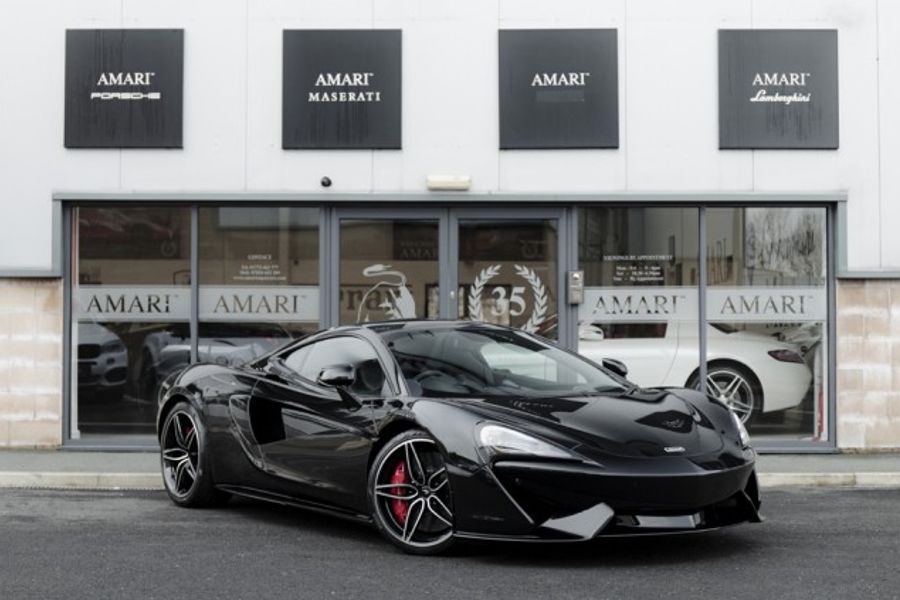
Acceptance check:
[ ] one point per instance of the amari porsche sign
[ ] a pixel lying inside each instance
(124, 88)
(341, 89)
(559, 88)
(778, 89)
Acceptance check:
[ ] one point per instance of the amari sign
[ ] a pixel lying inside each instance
(559, 88)
(732, 304)
(124, 88)
(147, 304)
(778, 89)
(341, 89)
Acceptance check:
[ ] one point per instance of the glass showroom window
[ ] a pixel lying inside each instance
(767, 314)
(131, 286)
(258, 282)
(507, 273)
(388, 270)
(641, 296)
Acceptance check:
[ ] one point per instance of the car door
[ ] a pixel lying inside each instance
(647, 349)
(306, 432)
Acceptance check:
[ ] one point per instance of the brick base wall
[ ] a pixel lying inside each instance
(868, 364)
(31, 358)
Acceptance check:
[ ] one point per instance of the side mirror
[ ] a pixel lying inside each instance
(616, 366)
(340, 377)
(337, 376)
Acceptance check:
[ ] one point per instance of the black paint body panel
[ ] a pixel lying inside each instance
(300, 444)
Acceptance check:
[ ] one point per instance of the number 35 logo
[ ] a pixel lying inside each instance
(514, 305)
(502, 303)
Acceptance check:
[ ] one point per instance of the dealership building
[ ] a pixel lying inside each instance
(705, 191)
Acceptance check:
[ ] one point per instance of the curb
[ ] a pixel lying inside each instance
(153, 481)
(865, 479)
(81, 481)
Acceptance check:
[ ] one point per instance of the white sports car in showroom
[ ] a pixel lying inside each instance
(751, 372)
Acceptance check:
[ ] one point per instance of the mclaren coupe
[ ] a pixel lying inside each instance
(443, 431)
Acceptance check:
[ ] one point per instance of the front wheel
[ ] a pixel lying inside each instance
(409, 494)
(184, 448)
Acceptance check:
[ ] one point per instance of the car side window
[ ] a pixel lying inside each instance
(294, 361)
(309, 361)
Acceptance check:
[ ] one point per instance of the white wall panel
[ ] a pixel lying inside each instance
(33, 161)
(888, 212)
(215, 55)
(854, 166)
(671, 64)
(450, 101)
(232, 121)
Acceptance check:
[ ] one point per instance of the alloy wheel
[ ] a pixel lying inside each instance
(180, 453)
(412, 494)
(733, 389)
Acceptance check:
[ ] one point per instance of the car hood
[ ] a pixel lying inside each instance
(643, 423)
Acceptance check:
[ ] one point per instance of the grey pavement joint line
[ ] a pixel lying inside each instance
(153, 481)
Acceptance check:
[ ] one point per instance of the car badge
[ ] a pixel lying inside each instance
(674, 449)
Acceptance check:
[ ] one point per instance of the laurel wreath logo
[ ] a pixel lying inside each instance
(540, 297)
(538, 290)
(478, 284)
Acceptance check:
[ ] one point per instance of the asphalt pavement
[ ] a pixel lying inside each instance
(833, 543)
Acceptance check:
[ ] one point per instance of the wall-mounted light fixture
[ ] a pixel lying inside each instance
(448, 183)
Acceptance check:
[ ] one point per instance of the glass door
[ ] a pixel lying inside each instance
(494, 265)
(508, 268)
(388, 264)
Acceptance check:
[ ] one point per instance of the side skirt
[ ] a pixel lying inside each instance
(257, 494)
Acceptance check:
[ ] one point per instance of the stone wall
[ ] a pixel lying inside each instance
(31, 357)
(868, 364)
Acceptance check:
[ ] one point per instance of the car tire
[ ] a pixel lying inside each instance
(409, 494)
(734, 385)
(184, 459)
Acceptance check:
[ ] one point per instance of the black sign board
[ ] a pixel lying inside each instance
(124, 88)
(559, 88)
(341, 89)
(778, 88)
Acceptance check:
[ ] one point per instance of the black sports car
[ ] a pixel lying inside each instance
(436, 431)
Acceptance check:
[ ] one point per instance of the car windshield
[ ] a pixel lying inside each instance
(480, 362)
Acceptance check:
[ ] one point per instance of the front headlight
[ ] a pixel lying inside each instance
(745, 437)
(502, 440)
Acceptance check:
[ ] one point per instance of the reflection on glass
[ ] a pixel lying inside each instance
(259, 277)
(640, 304)
(768, 302)
(508, 274)
(133, 276)
(388, 270)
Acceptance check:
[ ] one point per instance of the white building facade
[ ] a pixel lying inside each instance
(627, 200)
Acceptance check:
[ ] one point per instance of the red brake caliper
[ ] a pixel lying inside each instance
(400, 508)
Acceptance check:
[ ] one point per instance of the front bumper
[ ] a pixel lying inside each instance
(560, 501)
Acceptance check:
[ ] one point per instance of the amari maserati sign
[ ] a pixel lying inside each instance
(778, 89)
(341, 89)
(559, 88)
(124, 88)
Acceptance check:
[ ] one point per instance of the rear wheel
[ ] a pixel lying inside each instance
(409, 494)
(184, 447)
(736, 387)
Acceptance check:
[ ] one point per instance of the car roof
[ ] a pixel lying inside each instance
(421, 324)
